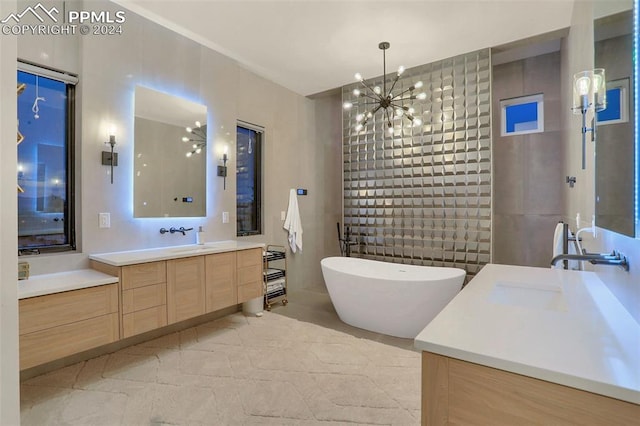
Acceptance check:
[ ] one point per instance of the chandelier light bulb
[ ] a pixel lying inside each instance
(583, 84)
(417, 122)
(358, 76)
(347, 105)
(189, 129)
(399, 112)
(390, 129)
(359, 127)
(356, 92)
(198, 124)
(185, 139)
(411, 110)
(369, 114)
(377, 90)
(400, 70)
(198, 151)
(359, 117)
(188, 154)
(418, 85)
(195, 146)
(421, 96)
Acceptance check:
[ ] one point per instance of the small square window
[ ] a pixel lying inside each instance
(617, 110)
(522, 115)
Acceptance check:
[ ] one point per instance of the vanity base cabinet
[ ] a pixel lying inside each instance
(221, 287)
(249, 274)
(460, 392)
(185, 288)
(62, 324)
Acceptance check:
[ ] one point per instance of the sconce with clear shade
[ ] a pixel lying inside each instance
(110, 158)
(222, 170)
(589, 93)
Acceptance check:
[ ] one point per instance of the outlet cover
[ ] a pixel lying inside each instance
(104, 220)
(225, 217)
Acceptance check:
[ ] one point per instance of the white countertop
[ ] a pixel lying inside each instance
(560, 326)
(40, 285)
(123, 258)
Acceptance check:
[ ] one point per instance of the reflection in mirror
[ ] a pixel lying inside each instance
(170, 156)
(615, 144)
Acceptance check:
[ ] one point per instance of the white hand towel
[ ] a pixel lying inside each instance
(292, 223)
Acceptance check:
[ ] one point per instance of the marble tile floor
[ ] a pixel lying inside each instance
(296, 365)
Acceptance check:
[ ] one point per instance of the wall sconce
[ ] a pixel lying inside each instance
(589, 93)
(110, 158)
(222, 170)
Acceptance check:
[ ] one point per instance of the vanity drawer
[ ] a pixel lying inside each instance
(249, 291)
(249, 257)
(141, 298)
(145, 320)
(52, 310)
(57, 342)
(143, 274)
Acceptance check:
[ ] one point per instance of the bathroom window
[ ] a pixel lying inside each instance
(45, 159)
(617, 110)
(249, 179)
(522, 115)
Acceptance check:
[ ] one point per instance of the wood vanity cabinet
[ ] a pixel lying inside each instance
(221, 289)
(144, 297)
(61, 324)
(185, 288)
(460, 392)
(249, 274)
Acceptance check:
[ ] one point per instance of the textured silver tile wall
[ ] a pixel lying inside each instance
(423, 195)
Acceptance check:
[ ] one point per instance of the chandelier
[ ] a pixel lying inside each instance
(198, 138)
(376, 98)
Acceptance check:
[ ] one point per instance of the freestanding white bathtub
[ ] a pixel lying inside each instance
(389, 298)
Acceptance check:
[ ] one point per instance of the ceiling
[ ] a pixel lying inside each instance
(311, 46)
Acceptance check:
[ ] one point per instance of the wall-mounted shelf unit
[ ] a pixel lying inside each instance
(275, 276)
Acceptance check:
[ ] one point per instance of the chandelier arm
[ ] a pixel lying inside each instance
(410, 98)
(406, 91)
(394, 84)
(375, 98)
(402, 107)
(386, 113)
(367, 86)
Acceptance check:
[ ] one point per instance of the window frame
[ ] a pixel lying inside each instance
(624, 85)
(71, 82)
(504, 103)
(258, 149)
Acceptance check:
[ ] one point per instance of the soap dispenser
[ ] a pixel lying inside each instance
(200, 236)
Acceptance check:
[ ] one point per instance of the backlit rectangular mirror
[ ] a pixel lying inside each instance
(616, 147)
(170, 149)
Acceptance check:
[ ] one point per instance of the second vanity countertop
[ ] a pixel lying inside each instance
(124, 258)
(561, 326)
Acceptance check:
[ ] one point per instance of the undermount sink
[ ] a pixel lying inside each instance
(528, 295)
(203, 247)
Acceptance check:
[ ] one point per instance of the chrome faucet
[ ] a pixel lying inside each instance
(182, 230)
(615, 258)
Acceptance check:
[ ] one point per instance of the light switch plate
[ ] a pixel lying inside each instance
(104, 220)
(225, 217)
(283, 215)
